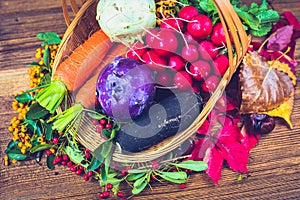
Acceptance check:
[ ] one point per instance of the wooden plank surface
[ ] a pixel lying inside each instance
(274, 165)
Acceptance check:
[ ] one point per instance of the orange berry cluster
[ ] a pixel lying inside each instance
(165, 9)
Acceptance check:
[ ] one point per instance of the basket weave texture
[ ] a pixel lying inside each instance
(84, 24)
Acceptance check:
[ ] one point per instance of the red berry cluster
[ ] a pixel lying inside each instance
(106, 193)
(184, 52)
(102, 124)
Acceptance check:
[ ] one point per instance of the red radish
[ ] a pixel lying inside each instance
(183, 80)
(220, 64)
(190, 52)
(136, 51)
(200, 70)
(218, 35)
(210, 84)
(188, 12)
(176, 62)
(200, 27)
(151, 36)
(189, 38)
(165, 43)
(153, 60)
(172, 23)
(208, 50)
(163, 79)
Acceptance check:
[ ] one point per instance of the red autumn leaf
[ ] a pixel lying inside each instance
(249, 140)
(214, 160)
(291, 19)
(232, 150)
(281, 39)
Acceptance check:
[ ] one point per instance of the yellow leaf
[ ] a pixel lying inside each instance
(284, 68)
(284, 111)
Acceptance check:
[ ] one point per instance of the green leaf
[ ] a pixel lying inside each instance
(139, 185)
(49, 38)
(24, 97)
(249, 19)
(196, 166)
(103, 174)
(137, 171)
(94, 164)
(45, 80)
(34, 127)
(11, 145)
(103, 150)
(269, 16)
(36, 111)
(175, 177)
(46, 57)
(50, 159)
(97, 116)
(17, 156)
(133, 177)
(48, 131)
(32, 64)
(40, 147)
(74, 155)
(262, 31)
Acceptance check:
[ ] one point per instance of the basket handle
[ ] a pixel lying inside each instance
(74, 8)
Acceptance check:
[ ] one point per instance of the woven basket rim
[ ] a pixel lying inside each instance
(232, 26)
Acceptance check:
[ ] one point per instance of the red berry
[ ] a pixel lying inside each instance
(189, 38)
(78, 172)
(55, 140)
(190, 52)
(172, 23)
(155, 165)
(200, 70)
(65, 157)
(176, 62)
(123, 172)
(136, 51)
(182, 185)
(99, 128)
(63, 162)
(48, 152)
(188, 12)
(95, 122)
(109, 186)
(196, 88)
(86, 177)
(58, 159)
(73, 168)
(220, 64)
(218, 35)
(120, 194)
(200, 27)
(210, 84)
(101, 195)
(183, 80)
(81, 167)
(124, 198)
(103, 121)
(54, 162)
(70, 163)
(109, 126)
(90, 173)
(208, 50)
(106, 193)
(88, 155)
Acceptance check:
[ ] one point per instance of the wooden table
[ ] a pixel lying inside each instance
(274, 164)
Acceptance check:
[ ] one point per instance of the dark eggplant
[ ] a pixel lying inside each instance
(164, 119)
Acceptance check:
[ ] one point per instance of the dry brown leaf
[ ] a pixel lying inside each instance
(267, 87)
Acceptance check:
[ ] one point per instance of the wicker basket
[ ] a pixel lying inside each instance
(84, 24)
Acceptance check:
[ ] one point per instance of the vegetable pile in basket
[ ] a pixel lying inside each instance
(147, 78)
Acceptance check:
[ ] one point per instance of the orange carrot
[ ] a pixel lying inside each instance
(76, 69)
(86, 94)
